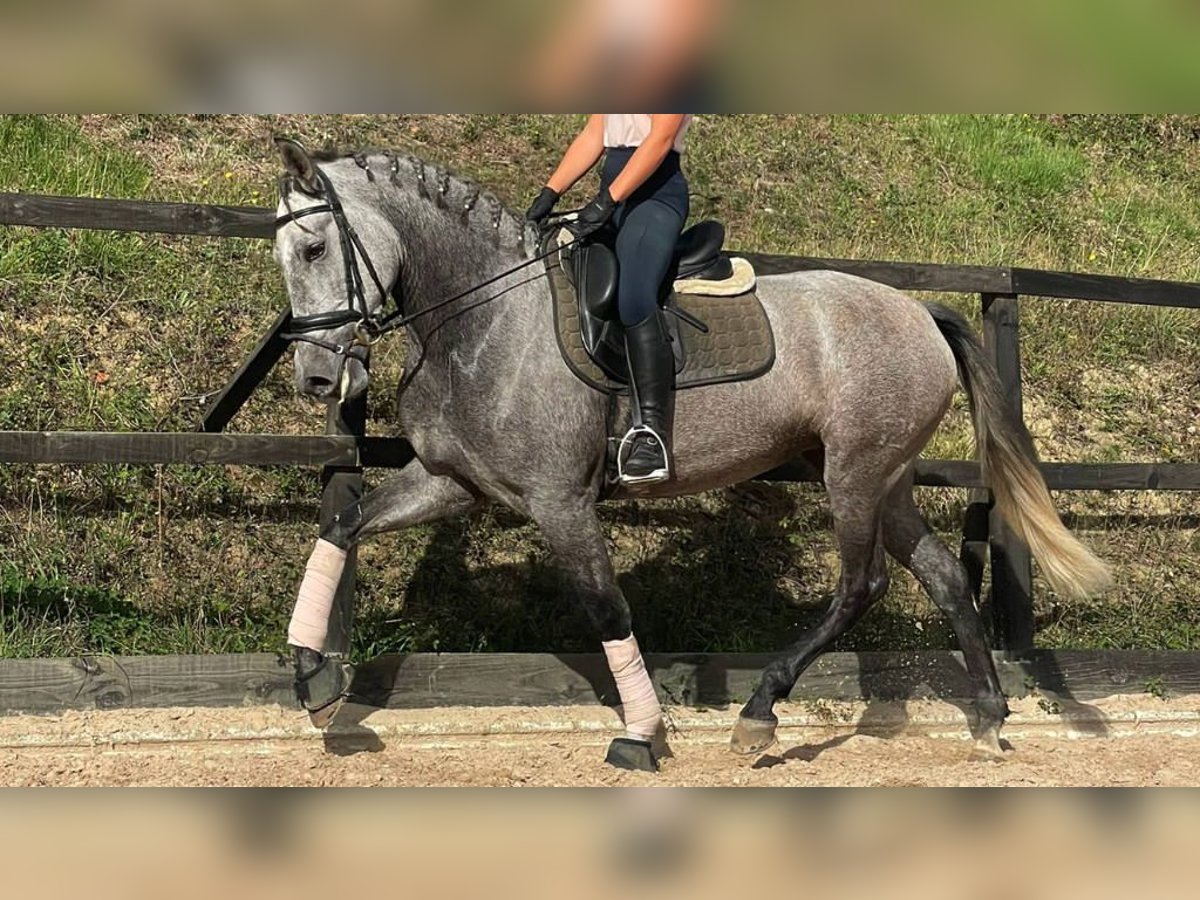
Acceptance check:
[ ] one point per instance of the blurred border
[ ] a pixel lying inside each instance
(539, 55)
(534, 55)
(582, 844)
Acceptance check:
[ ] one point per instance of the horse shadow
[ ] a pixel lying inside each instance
(718, 568)
(347, 735)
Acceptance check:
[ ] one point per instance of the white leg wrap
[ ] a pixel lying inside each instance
(310, 618)
(640, 708)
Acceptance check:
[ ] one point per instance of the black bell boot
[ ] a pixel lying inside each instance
(322, 684)
(645, 453)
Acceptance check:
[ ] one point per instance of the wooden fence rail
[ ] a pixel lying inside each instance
(346, 449)
(420, 680)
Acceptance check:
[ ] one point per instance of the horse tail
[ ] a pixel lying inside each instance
(1009, 463)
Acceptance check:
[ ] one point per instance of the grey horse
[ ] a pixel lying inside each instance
(863, 376)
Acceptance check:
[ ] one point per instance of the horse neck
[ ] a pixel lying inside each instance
(447, 249)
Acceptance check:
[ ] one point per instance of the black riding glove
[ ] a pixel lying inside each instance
(541, 208)
(594, 216)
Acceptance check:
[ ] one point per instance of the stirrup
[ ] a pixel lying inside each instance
(660, 474)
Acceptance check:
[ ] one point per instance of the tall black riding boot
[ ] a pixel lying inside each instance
(645, 450)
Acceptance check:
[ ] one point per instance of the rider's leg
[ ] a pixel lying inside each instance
(652, 375)
(645, 246)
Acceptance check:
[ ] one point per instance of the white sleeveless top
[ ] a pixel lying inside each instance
(623, 130)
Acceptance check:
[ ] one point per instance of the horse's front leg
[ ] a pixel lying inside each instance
(573, 532)
(410, 497)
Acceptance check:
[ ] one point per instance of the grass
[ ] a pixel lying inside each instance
(134, 332)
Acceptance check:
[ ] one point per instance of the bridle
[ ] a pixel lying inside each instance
(368, 327)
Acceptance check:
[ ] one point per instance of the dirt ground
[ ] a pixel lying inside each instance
(1127, 740)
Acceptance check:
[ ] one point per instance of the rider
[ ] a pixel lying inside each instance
(645, 196)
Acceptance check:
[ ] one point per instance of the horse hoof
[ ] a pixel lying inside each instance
(322, 718)
(322, 685)
(626, 753)
(752, 737)
(987, 747)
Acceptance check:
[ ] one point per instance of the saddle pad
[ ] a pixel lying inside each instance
(739, 345)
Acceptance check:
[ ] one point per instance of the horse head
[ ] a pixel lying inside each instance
(339, 257)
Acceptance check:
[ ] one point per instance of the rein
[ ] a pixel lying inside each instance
(370, 328)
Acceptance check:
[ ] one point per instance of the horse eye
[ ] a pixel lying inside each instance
(314, 252)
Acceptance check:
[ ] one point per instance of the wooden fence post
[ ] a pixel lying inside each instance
(257, 366)
(340, 487)
(1012, 571)
(974, 548)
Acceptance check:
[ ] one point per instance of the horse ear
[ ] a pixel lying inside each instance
(298, 164)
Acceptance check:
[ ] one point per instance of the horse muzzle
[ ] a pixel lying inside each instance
(330, 377)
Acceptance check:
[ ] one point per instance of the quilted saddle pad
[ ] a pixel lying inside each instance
(739, 345)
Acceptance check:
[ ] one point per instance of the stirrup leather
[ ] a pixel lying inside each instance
(658, 474)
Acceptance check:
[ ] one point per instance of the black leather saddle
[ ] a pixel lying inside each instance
(593, 272)
(700, 254)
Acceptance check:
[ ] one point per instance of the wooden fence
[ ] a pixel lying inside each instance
(346, 449)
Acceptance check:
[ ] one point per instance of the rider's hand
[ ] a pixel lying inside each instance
(594, 216)
(541, 208)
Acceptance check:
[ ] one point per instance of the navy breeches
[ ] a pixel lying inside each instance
(648, 225)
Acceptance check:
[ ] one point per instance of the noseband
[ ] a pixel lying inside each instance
(367, 327)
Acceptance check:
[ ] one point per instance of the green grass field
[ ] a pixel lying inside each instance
(102, 331)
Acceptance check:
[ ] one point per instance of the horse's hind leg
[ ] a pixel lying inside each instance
(855, 503)
(411, 497)
(913, 543)
(571, 528)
